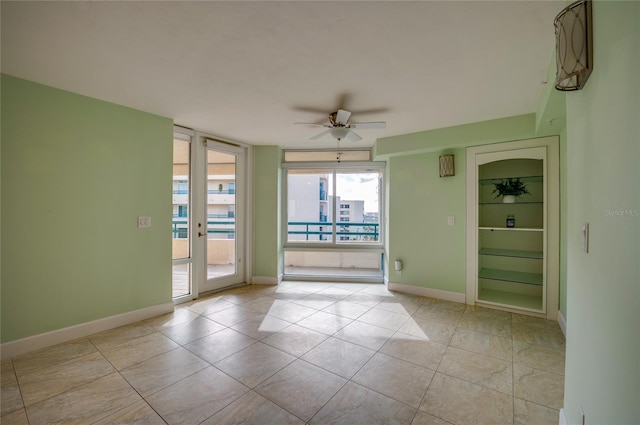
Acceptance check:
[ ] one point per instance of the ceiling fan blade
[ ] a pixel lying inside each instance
(319, 135)
(343, 116)
(353, 136)
(368, 125)
(312, 124)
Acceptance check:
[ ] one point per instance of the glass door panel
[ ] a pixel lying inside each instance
(223, 216)
(180, 230)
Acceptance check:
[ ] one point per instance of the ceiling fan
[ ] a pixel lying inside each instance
(339, 126)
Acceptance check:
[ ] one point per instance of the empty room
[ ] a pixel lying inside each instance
(320, 212)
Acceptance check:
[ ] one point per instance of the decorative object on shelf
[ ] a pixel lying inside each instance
(447, 168)
(574, 47)
(511, 220)
(510, 189)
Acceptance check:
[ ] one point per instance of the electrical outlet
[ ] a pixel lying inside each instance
(144, 221)
(451, 221)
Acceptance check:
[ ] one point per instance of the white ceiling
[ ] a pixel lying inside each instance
(246, 71)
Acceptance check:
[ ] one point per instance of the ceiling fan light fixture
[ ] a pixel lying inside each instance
(339, 132)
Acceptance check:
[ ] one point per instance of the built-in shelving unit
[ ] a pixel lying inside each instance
(508, 265)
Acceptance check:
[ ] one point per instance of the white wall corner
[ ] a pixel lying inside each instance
(47, 339)
(562, 323)
(427, 292)
(264, 280)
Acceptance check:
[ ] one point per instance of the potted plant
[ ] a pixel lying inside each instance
(509, 189)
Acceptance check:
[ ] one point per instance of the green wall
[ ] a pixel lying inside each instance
(76, 174)
(420, 201)
(267, 246)
(603, 180)
(432, 253)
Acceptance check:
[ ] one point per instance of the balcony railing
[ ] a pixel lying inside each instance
(180, 228)
(363, 231)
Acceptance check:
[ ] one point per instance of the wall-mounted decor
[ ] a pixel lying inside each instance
(447, 168)
(574, 46)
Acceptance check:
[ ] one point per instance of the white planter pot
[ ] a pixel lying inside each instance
(509, 199)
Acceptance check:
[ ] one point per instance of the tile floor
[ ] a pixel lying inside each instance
(314, 353)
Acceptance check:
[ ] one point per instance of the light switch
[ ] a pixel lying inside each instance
(144, 221)
(451, 221)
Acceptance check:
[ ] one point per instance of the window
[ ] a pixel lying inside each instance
(318, 197)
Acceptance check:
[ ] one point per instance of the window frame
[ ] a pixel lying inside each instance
(335, 244)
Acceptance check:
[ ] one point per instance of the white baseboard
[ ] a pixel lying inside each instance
(264, 280)
(47, 339)
(427, 292)
(562, 420)
(562, 323)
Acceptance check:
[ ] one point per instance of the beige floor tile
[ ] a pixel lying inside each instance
(108, 339)
(264, 304)
(63, 377)
(489, 372)
(139, 413)
(253, 409)
(527, 413)
(395, 378)
(431, 312)
(340, 357)
(422, 418)
(138, 350)
(368, 300)
(428, 329)
(355, 404)
(539, 357)
(481, 324)
(255, 363)
(234, 315)
(10, 396)
(219, 345)
(347, 309)
(364, 334)
(316, 301)
(189, 332)
(18, 417)
(292, 312)
(86, 404)
(209, 305)
(537, 386)
(197, 397)
(461, 402)
(262, 327)
(179, 316)
(159, 372)
(481, 343)
(535, 322)
(50, 356)
(295, 340)
(301, 388)
(399, 306)
(336, 292)
(384, 318)
(447, 305)
(487, 314)
(552, 338)
(414, 350)
(325, 323)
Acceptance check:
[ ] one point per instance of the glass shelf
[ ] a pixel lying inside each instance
(513, 229)
(515, 203)
(527, 179)
(515, 253)
(511, 276)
